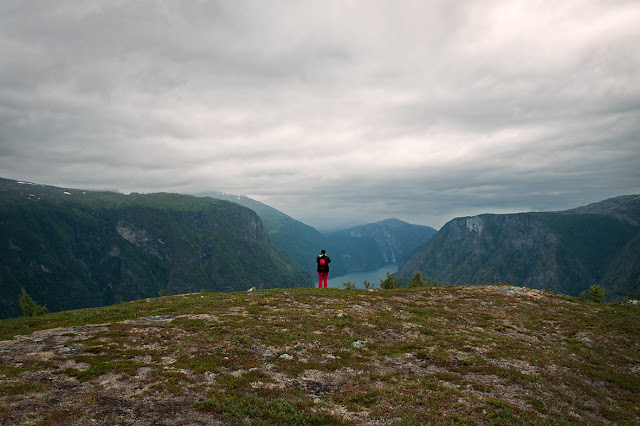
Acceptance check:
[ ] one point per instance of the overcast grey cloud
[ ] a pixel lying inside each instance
(334, 112)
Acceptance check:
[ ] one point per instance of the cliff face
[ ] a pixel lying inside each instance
(71, 249)
(296, 242)
(372, 245)
(394, 238)
(564, 252)
(622, 278)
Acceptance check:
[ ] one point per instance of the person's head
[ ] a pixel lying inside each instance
(322, 252)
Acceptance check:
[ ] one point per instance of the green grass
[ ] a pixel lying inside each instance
(445, 355)
(19, 389)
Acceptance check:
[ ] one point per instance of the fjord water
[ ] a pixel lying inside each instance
(373, 276)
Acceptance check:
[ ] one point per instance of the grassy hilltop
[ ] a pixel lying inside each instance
(446, 355)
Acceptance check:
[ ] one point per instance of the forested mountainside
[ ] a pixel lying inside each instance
(564, 252)
(296, 242)
(359, 248)
(71, 248)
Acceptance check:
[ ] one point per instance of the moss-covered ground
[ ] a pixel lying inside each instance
(490, 354)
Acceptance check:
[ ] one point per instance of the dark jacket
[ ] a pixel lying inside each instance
(325, 267)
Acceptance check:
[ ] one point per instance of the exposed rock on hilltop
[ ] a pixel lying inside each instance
(474, 355)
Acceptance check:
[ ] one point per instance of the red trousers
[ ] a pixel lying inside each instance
(322, 277)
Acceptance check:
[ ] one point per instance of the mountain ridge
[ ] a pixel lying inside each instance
(623, 207)
(565, 251)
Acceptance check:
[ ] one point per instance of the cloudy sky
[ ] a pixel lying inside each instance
(334, 112)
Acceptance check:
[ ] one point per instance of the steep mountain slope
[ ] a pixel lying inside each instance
(70, 248)
(372, 245)
(295, 242)
(622, 278)
(564, 252)
(469, 355)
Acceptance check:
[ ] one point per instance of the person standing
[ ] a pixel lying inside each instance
(323, 268)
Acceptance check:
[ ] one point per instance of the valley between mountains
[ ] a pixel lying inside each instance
(172, 309)
(71, 248)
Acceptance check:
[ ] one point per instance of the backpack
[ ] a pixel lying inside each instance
(322, 261)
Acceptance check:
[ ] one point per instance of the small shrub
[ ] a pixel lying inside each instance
(29, 307)
(349, 285)
(596, 293)
(416, 281)
(391, 282)
(367, 285)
